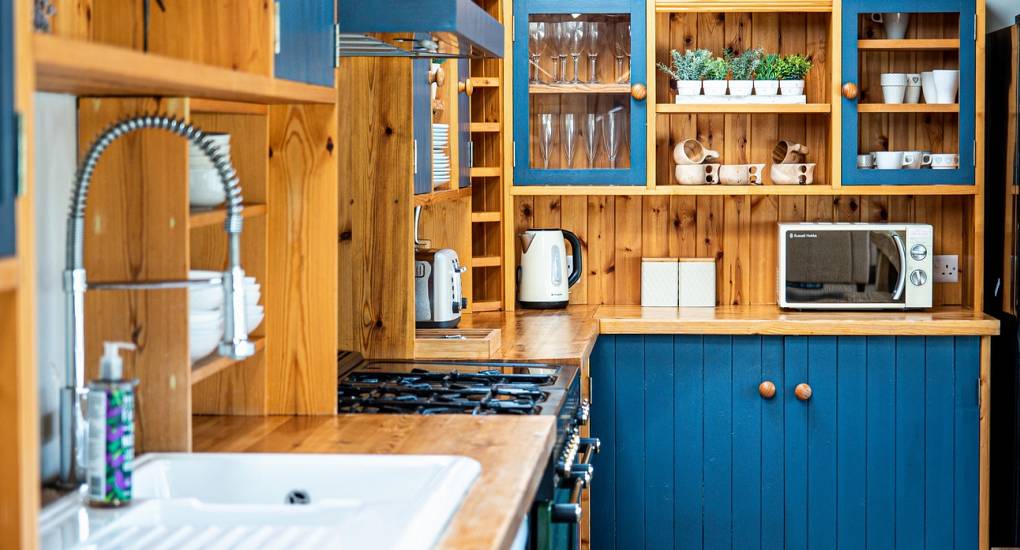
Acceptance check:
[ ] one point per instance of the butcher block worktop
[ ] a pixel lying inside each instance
(512, 450)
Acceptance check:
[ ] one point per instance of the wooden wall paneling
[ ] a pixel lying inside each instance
(574, 216)
(765, 130)
(136, 205)
(247, 47)
(763, 249)
(448, 225)
(818, 127)
(601, 249)
(72, 18)
(628, 250)
(301, 374)
(683, 227)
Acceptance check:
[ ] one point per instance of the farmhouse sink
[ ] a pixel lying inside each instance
(285, 501)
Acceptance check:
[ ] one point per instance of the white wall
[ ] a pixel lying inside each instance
(1001, 13)
(56, 147)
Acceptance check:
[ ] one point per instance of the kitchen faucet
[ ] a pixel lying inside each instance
(235, 342)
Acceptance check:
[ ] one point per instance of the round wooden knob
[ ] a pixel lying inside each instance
(767, 389)
(638, 91)
(437, 77)
(467, 87)
(850, 90)
(802, 391)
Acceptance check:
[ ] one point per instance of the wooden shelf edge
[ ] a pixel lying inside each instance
(715, 6)
(484, 127)
(486, 217)
(204, 218)
(218, 106)
(485, 81)
(84, 68)
(743, 190)
(912, 44)
(9, 274)
(434, 197)
(908, 107)
(738, 108)
(493, 305)
(486, 171)
(213, 364)
(579, 88)
(486, 261)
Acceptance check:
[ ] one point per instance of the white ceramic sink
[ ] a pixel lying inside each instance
(248, 501)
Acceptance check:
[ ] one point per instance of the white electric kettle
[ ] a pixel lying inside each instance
(542, 277)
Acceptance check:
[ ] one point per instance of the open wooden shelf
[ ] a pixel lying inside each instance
(203, 218)
(582, 88)
(484, 127)
(694, 108)
(486, 261)
(204, 368)
(742, 190)
(485, 82)
(486, 217)
(722, 6)
(88, 69)
(908, 107)
(8, 274)
(486, 171)
(910, 44)
(442, 195)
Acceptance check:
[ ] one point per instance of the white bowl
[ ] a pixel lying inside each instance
(205, 298)
(205, 319)
(205, 188)
(253, 316)
(202, 343)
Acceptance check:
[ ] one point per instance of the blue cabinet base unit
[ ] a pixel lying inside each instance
(883, 454)
(8, 134)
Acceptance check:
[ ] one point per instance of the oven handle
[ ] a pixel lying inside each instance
(571, 511)
(901, 282)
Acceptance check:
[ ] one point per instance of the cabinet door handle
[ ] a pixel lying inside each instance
(850, 90)
(802, 391)
(467, 87)
(638, 92)
(767, 389)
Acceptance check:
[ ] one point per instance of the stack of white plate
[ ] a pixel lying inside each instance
(204, 186)
(440, 155)
(205, 313)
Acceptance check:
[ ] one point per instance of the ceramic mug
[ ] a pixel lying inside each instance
(788, 152)
(793, 174)
(741, 174)
(947, 83)
(895, 24)
(865, 162)
(945, 161)
(894, 87)
(913, 94)
(892, 160)
(697, 174)
(692, 151)
(917, 159)
(928, 87)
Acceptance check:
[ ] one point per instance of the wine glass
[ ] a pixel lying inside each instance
(546, 134)
(570, 136)
(536, 45)
(590, 130)
(593, 50)
(612, 130)
(576, 42)
(560, 39)
(621, 45)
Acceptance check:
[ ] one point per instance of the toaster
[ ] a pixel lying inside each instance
(438, 297)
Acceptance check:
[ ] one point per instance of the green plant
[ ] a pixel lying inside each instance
(686, 66)
(744, 65)
(715, 69)
(768, 69)
(794, 67)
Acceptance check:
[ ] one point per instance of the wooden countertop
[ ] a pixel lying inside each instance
(512, 450)
(946, 321)
(564, 336)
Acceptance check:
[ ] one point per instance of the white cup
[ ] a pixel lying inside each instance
(945, 161)
(865, 162)
(913, 94)
(917, 159)
(894, 87)
(892, 160)
(928, 87)
(895, 24)
(947, 83)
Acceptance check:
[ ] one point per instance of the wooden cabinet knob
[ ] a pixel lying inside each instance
(767, 389)
(467, 87)
(802, 391)
(638, 92)
(850, 90)
(437, 77)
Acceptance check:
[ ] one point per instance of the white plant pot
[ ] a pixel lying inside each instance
(741, 88)
(766, 87)
(791, 87)
(715, 87)
(688, 87)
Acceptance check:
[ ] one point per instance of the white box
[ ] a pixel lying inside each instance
(696, 281)
(659, 282)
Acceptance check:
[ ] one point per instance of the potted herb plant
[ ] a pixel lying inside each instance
(714, 76)
(766, 76)
(792, 69)
(685, 69)
(742, 69)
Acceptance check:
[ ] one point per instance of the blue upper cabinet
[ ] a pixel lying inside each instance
(889, 43)
(305, 43)
(576, 121)
(8, 133)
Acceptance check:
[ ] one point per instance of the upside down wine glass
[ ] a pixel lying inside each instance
(546, 134)
(570, 136)
(590, 132)
(612, 133)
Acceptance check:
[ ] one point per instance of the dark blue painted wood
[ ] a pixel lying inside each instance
(8, 132)
(966, 442)
(307, 47)
(688, 407)
(464, 126)
(659, 454)
(718, 466)
(965, 174)
(881, 412)
(630, 441)
(821, 478)
(772, 447)
(909, 442)
(523, 173)
(421, 98)
(852, 426)
(939, 408)
(747, 413)
(795, 452)
(603, 368)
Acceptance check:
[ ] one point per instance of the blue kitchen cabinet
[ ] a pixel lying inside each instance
(8, 133)
(421, 111)
(306, 49)
(549, 86)
(941, 34)
(883, 454)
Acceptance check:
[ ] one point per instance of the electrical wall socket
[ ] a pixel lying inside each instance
(946, 268)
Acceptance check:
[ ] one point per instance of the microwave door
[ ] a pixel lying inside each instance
(845, 267)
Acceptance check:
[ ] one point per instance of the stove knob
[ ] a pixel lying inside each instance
(584, 472)
(566, 513)
(583, 412)
(593, 442)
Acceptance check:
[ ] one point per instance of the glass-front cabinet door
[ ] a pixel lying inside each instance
(579, 92)
(908, 92)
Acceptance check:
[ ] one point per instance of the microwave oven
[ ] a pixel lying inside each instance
(855, 265)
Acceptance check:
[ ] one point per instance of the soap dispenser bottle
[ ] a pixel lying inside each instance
(111, 436)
